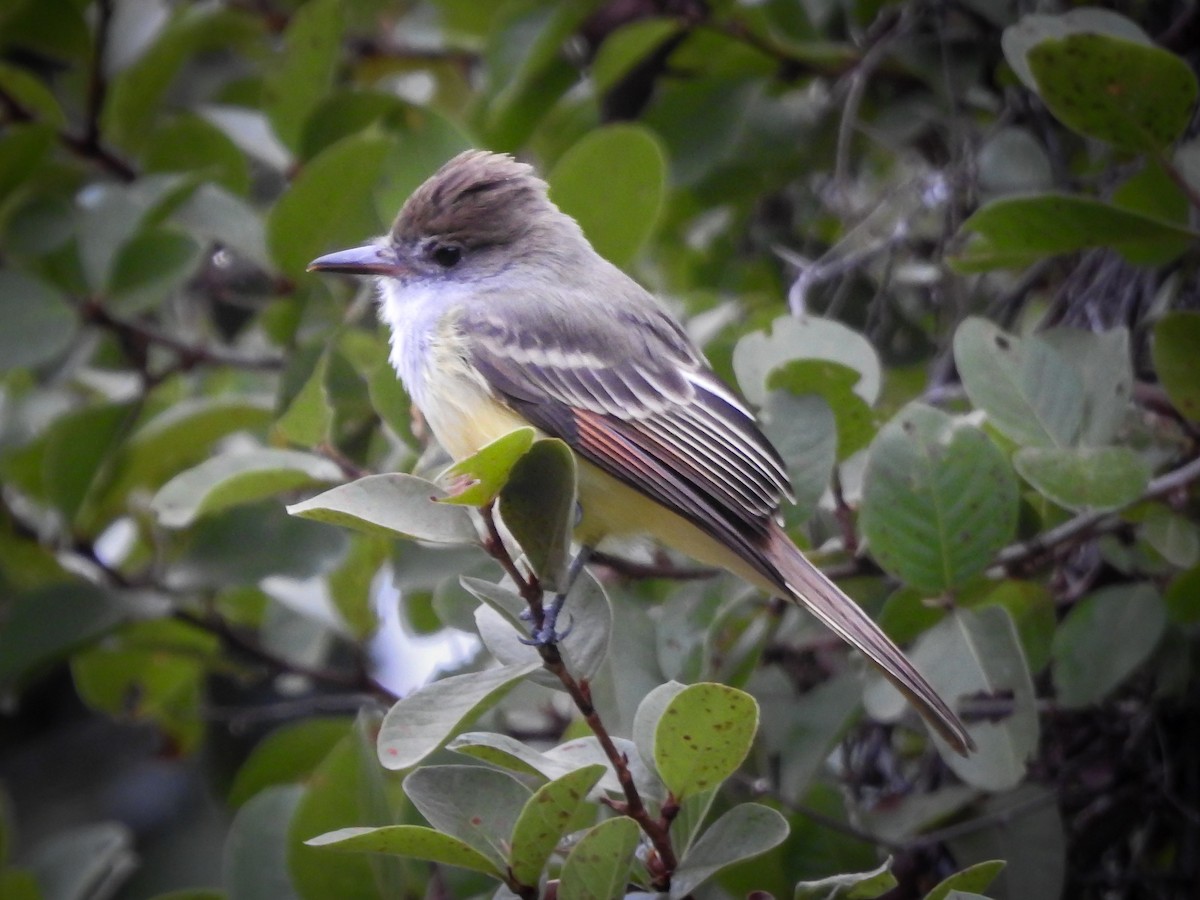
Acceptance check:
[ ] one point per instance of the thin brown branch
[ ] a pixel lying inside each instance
(1088, 523)
(188, 354)
(663, 861)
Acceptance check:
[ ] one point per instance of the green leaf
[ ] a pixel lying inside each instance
(626, 47)
(1183, 597)
(255, 863)
(415, 841)
(150, 670)
(619, 219)
(45, 625)
(649, 713)
(336, 796)
(38, 324)
(232, 479)
(136, 92)
(1103, 362)
(351, 585)
(704, 734)
(598, 866)
(18, 884)
(1103, 640)
(23, 151)
(288, 754)
(420, 723)
(182, 435)
(1012, 232)
(1026, 387)
(188, 143)
(759, 353)
(1033, 29)
(1152, 192)
(394, 505)
(309, 415)
(939, 499)
(546, 818)
(746, 831)
(1031, 606)
(1096, 478)
(505, 752)
(150, 268)
(1134, 96)
(538, 506)
(975, 653)
(79, 449)
(804, 431)
(835, 383)
(1176, 354)
(419, 149)
(475, 804)
(328, 204)
(212, 213)
(1024, 828)
(973, 879)
(32, 94)
(303, 72)
(476, 480)
(857, 886)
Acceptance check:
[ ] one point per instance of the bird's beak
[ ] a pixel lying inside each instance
(372, 259)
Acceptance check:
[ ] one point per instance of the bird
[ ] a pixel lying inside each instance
(502, 315)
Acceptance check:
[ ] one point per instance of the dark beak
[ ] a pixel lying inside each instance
(369, 260)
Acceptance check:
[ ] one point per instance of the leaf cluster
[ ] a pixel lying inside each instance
(947, 251)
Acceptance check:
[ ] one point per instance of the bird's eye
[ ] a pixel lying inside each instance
(446, 255)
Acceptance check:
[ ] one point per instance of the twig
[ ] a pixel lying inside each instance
(662, 862)
(1085, 523)
(627, 568)
(189, 355)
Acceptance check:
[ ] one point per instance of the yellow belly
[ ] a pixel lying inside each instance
(464, 418)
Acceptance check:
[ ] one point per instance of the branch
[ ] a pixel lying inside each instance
(663, 861)
(189, 354)
(1088, 522)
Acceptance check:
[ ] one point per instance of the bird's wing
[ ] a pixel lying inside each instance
(631, 395)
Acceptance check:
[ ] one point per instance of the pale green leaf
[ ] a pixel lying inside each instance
(746, 831)
(395, 505)
(1103, 640)
(233, 479)
(420, 723)
(1079, 478)
(414, 841)
(475, 804)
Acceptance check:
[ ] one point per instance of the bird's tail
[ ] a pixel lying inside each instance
(820, 596)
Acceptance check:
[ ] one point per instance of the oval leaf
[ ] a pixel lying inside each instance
(472, 803)
(232, 479)
(1103, 640)
(975, 653)
(538, 505)
(548, 816)
(1177, 360)
(396, 505)
(417, 725)
(744, 832)
(1024, 385)
(619, 218)
(939, 499)
(703, 736)
(598, 867)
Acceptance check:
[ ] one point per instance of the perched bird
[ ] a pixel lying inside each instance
(502, 315)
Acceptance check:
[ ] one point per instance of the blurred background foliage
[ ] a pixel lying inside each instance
(948, 248)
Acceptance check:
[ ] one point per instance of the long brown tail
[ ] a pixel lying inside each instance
(820, 596)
